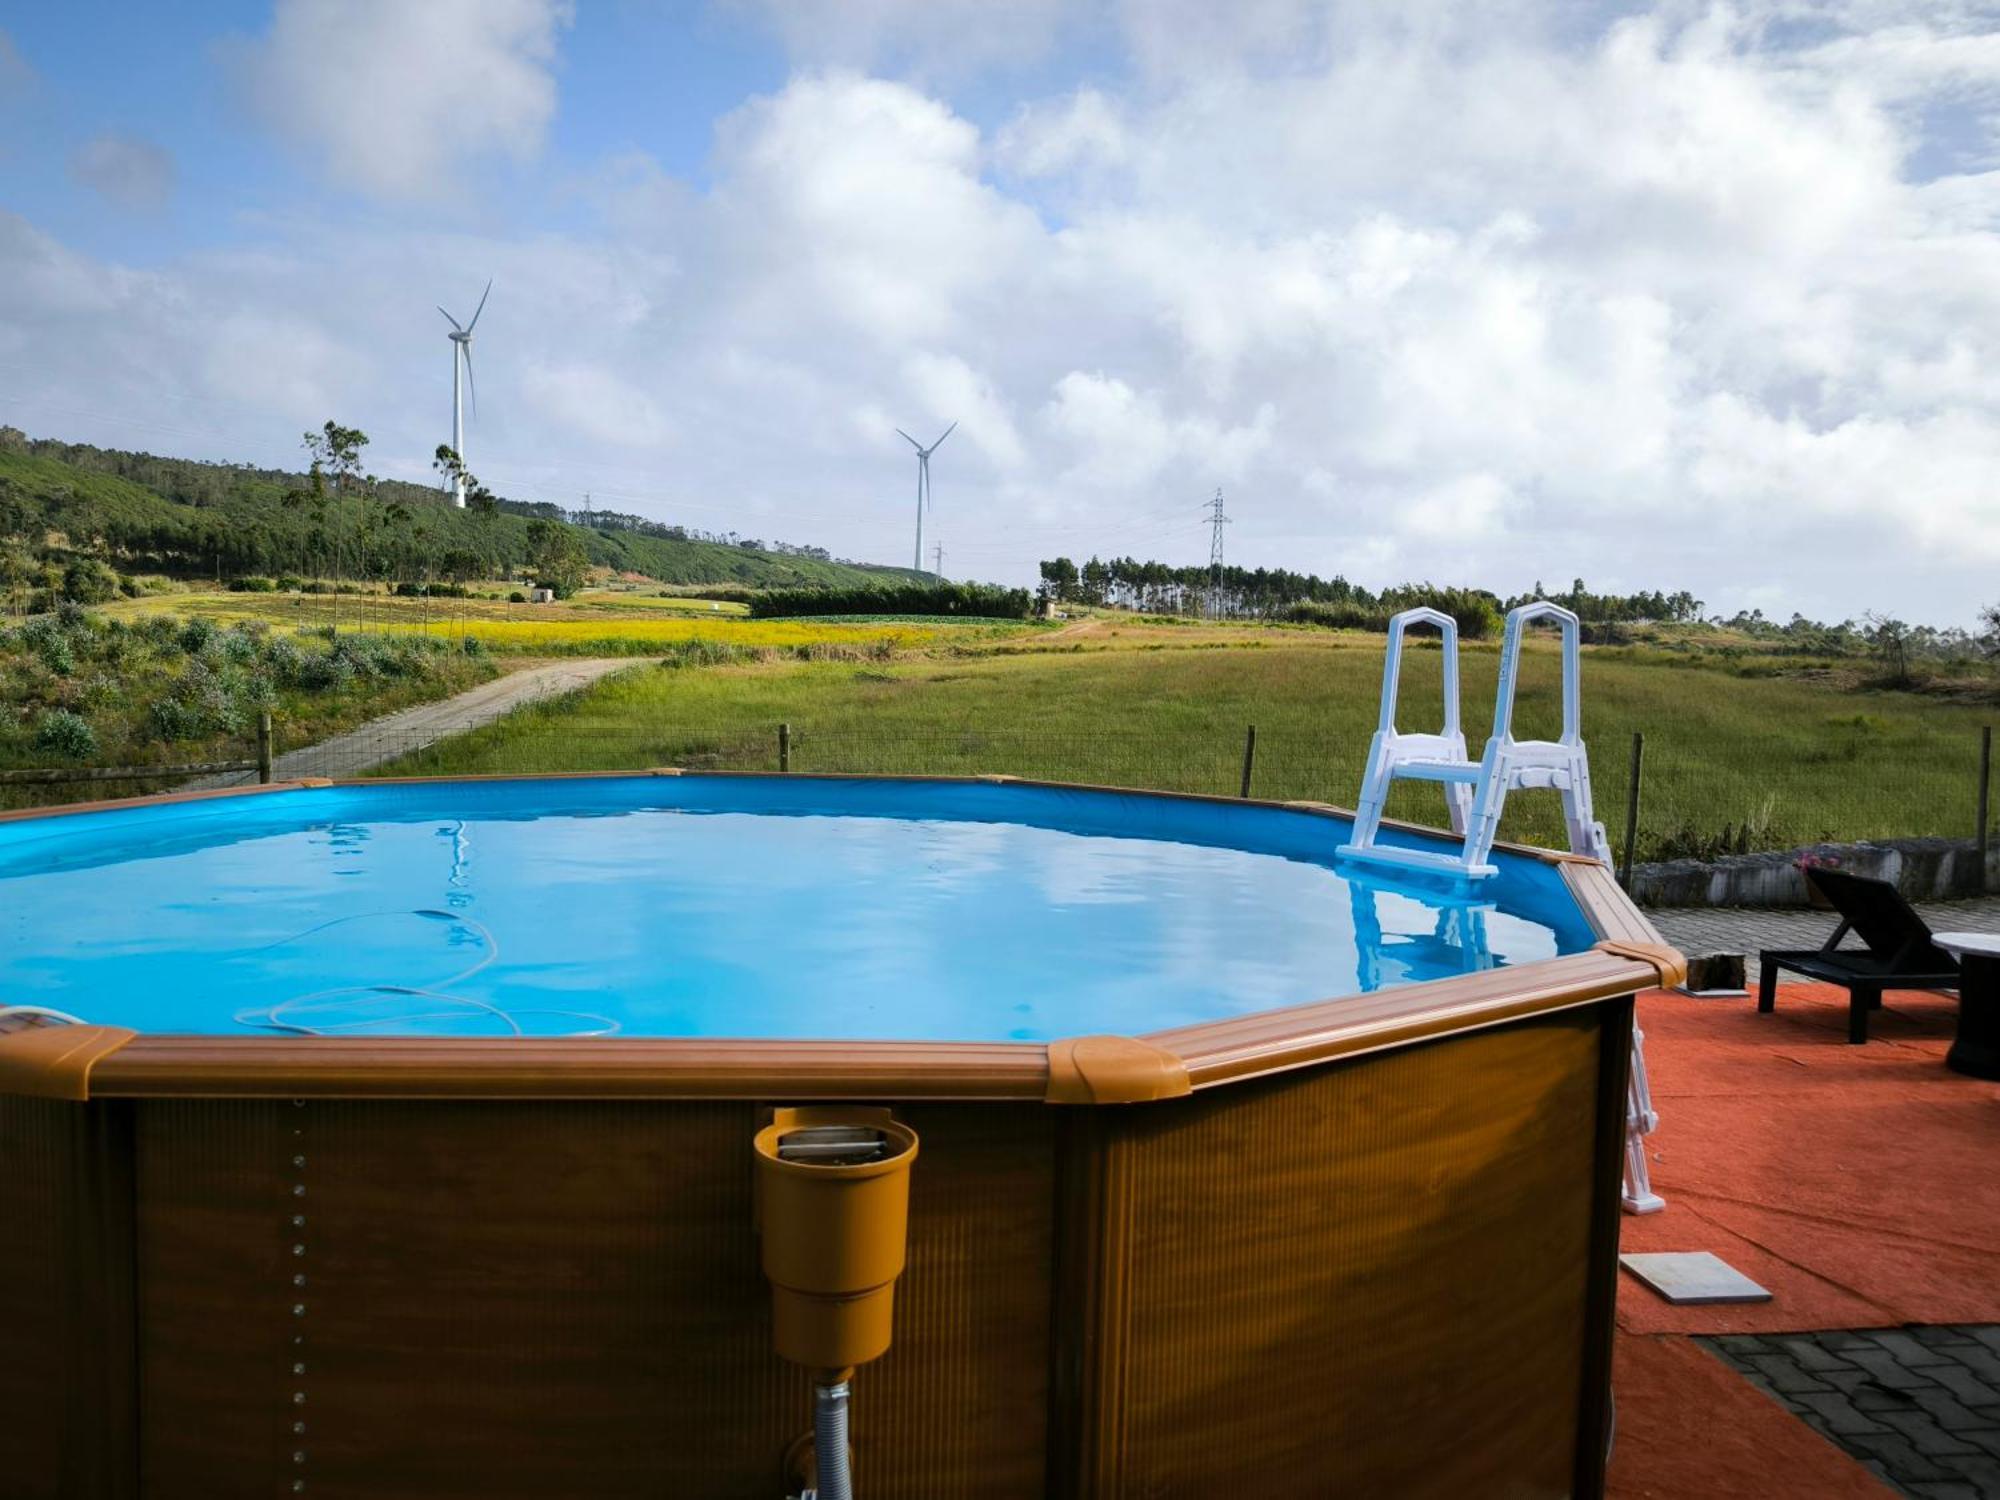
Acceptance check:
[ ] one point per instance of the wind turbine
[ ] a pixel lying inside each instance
(924, 482)
(461, 355)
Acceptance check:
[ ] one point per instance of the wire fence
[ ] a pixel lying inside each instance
(1851, 788)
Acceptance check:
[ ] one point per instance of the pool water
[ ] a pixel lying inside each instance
(725, 907)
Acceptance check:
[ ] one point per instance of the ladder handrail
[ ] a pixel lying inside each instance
(1510, 661)
(1392, 666)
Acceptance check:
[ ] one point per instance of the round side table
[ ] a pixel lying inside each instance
(1977, 1049)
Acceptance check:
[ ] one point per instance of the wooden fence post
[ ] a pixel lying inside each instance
(1249, 758)
(784, 747)
(264, 748)
(1632, 807)
(1985, 795)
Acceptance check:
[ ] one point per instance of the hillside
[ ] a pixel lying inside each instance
(146, 514)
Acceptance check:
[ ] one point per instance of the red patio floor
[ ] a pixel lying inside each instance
(1861, 1185)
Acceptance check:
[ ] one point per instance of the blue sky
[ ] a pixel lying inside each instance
(1662, 295)
(636, 77)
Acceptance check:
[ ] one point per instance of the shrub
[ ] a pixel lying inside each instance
(472, 645)
(282, 660)
(89, 581)
(237, 646)
(161, 632)
(515, 596)
(102, 690)
(251, 585)
(54, 650)
(66, 735)
(211, 696)
(287, 584)
(195, 634)
(1347, 616)
(435, 590)
(1476, 613)
(173, 720)
(71, 615)
(114, 644)
(321, 671)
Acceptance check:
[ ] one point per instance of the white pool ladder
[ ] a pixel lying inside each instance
(1436, 757)
(1561, 765)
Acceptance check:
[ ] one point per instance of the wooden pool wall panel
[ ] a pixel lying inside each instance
(1376, 1273)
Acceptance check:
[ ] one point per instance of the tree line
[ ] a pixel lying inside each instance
(1269, 593)
(185, 518)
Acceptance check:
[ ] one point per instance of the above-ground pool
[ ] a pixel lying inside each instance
(403, 1146)
(728, 907)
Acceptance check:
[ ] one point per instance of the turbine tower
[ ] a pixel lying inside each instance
(461, 357)
(924, 482)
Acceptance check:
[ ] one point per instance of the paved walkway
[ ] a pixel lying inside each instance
(1920, 1406)
(1701, 930)
(382, 740)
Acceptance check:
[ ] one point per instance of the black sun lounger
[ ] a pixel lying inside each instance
(1900, 954)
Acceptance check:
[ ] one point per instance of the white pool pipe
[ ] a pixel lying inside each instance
(43, 1012)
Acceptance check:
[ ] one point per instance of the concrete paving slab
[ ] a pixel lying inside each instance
(1693, 1277)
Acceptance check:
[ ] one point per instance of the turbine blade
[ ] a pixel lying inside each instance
(470, 389)
(942, 436)
(482, 306)
(910, 440)
(449, 318)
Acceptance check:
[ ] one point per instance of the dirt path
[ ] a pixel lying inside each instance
(381, 740)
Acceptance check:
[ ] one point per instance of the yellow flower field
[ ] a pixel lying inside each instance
(525, 637)
(590, 625)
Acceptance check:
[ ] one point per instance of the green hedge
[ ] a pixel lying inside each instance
(969, 600)
(1476, 613)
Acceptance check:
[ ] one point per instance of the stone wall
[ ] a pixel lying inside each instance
(1931, 869)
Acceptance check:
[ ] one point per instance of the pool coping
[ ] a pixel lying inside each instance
(113, 1062)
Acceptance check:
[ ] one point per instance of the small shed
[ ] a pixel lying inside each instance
(541, 596)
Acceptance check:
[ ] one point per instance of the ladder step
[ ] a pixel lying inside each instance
(1466, 771)
(1434, 862)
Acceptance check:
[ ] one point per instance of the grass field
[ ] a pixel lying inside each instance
(1733, 759)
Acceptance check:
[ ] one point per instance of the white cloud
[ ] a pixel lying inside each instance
(395, 96)
(592, 402)
(1479, 294)
(1085, 131)
(952, 391)
(863, 199)
(1125, 440)
(132, 173)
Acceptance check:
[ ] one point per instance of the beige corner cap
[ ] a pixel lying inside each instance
(1668, 961)
(54, 1062)
(1113, 1070)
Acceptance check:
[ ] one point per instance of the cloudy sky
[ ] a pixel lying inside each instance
(1682, 295)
